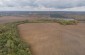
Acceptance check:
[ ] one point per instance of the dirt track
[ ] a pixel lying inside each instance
(54, 39)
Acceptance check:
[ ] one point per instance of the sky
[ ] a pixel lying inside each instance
(42, 5)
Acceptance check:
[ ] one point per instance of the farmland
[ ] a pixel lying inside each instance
(53, 38)
(42, 34)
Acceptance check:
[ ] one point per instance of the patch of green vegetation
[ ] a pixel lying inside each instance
(60, 21)
(68, 22)
(46, 21)
(10, 42)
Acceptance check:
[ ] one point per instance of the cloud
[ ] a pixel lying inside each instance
(41, 4)
(62, 4)
(75, 9)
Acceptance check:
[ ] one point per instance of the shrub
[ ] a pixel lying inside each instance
(68, 22)
(10, 42)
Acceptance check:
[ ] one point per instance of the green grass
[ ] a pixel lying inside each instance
(68, 22)
(10, 42)
(61, 21)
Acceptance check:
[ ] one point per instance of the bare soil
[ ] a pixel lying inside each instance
(54, 39)
(6, 19)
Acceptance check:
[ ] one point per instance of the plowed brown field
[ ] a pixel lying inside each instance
(54, 39)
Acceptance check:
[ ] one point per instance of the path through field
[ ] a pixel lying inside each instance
(54, 39)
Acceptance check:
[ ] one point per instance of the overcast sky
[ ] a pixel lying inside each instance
(42, 5)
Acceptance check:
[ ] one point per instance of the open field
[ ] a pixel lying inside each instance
(6, 19)
(54, 39)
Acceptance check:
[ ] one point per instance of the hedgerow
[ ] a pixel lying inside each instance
(10, 42)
